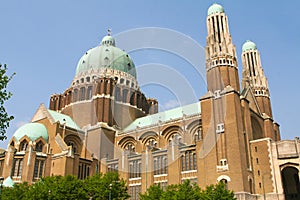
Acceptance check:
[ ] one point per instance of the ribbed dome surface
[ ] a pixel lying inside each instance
(106, 56)
(215, 8)
(249, 45)
(33, 131)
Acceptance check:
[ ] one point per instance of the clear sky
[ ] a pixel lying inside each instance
(42, 42)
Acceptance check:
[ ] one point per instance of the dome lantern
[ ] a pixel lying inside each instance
(215, 8)
(249, 45)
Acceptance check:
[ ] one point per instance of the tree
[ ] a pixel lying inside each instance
(153, 193)
(188, 191)
(69, 188)
(101, 186)
(57, 187)
(4, 96)
(218, 191)
(19, 191)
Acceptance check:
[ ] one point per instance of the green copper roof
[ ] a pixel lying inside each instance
(215, 8)
(165, 116)
(106, 56)
(8, 182)
(249, 45)
(61, 118)
(33, 131)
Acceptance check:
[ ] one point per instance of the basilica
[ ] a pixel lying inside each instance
(104, 122)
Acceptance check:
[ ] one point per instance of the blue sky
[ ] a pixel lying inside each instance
(42, 42)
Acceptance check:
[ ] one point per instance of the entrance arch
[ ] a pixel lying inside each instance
(290, 182)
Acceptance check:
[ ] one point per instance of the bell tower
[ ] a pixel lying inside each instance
(254, 77)
(223, 150)
(221, 62)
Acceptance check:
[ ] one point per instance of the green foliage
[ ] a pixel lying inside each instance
(4, 96)
(57, 187)
(98, 186)
(154, 192)
(218, 191)
(17, 192)
(69, 188)
(188, 191)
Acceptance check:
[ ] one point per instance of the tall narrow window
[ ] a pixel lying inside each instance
(75, 95)
(1, 167)
(39, 146)
(125, 94)
(38, 168)
(90, 92)
(189, 161)
(182, 163)
(23, 145)
(18, 166)
(117, 94)
(82, 93)
(135, 168)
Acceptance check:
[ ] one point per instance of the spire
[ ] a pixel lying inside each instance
(252, 69)
(221, 62)
(109, 31)
(254, 76)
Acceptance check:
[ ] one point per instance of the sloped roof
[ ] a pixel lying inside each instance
(176, 113)
(61, 118)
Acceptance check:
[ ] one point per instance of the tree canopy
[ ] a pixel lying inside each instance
(69, 188)
(101, 187)
(188, 191)
(4, 96)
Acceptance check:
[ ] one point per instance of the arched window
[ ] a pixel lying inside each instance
(75, 95)
(90, 92)
(130, 147)
(175, 139)
(290, 182)
(39, 146)
(151, 143)
(117, 94)
(225, 183)
(74, 148)
(23, 145)
(82, 93)
(125, 93)
(198, 135)
(224, 179)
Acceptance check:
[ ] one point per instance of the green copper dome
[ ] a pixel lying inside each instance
(106, 56)
(33, 131)
(249, 45)
(215, 8)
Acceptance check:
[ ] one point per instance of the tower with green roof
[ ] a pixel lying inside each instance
(221, 109)
(254, 77)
